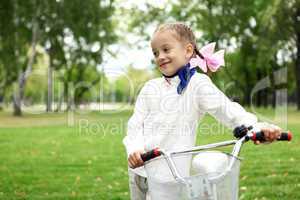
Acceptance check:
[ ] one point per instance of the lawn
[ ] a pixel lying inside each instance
(61, 156)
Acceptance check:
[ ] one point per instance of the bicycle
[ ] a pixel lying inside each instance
(195, 174)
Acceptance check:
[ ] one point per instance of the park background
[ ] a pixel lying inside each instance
(70, 72)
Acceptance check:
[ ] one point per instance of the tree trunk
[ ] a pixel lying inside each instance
(60, 102)
(266, 98)
(1, 98)
(69, 90)
(70, 96)
(66, 89)
(259, 95)
(19, 90)
(50, 85)
(297, 66)
(17, 100)
(273, 90)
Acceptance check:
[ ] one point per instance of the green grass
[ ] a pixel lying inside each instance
(44, 157)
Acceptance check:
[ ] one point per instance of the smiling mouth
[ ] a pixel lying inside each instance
(164, 64)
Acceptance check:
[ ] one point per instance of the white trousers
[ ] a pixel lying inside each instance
(138, 187)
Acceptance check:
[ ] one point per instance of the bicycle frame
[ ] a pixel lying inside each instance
(235, 152)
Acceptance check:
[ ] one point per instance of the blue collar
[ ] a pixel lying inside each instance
(184, 74)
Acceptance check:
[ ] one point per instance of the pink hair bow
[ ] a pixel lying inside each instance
(210, 60)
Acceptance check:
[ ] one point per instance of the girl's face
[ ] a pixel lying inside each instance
(170, 53)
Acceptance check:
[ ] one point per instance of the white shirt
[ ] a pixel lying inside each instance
(162, 118)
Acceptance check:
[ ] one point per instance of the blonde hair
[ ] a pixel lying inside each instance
(183, 31)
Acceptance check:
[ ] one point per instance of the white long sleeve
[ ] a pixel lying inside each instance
(134, 140)
(213, 101)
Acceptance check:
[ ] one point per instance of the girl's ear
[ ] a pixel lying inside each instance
(189, 50)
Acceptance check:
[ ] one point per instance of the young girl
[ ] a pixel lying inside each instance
(168, 109)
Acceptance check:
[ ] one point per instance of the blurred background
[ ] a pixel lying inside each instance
(70, 71)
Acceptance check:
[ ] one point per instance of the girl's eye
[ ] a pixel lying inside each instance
(155, 54)
(166, 49)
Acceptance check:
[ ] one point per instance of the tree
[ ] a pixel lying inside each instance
(74, 35)
(254, 27)
(19, 32)
(20, 87)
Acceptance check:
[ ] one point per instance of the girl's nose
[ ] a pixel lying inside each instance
(161, 57)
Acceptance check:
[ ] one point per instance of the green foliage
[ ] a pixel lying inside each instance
(75, 35)
(259, 30)
(15, 32)
(35, 90)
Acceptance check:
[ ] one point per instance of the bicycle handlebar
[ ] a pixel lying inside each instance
(151, 154)
(242, 131)
(259, 136)
(239, 132)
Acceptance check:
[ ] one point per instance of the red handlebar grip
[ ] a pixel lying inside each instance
(283, 137)
(290, 136)
(151, 154)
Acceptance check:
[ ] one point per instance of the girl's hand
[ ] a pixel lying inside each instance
(135, 159)
(271, 132)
